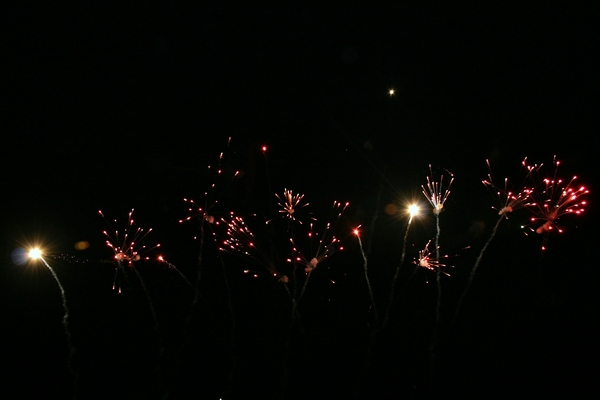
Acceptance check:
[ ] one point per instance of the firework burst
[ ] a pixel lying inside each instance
(326, 242)
(205, 213)
(429, 261)
(289, 203)
(124, 245)
(127, 252)
(240, 240)
(435, 193)
(437, 196)
(509, 199)
(552, 199)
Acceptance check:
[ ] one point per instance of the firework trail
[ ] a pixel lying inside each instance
(510, 201)
(35, 254)
(371, 296)
(126, 254)
(240, 240)
(307, 253)
(413, 210)
(173, 267)
(206, 215)
(123, 246)
(327, 245)
(437, 197)
(550, 200)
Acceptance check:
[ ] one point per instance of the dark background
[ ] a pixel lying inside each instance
(113, 108)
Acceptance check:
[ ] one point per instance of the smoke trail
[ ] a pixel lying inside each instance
(65, 322)
(438, 316)
(462, 297)
(391, 301)
(372, 297)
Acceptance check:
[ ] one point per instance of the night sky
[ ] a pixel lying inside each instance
(119, 108)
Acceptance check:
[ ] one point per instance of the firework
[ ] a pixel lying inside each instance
(206, 215)
(412, 210)
(429, 261)
(306, 251)
(240, 240)
(371, 296)
(327, 243)
(173, 267)
(127, 252)
(124, 245)
(437, 196)
(510, 200)
(552, 199)
(289, 204)
(36, 254)
(435, 193)
(211, 198)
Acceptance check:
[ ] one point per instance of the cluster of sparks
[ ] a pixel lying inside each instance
(240, 239)
(435, 193)
(211, 198)
(429, 261)
(551, 199)
(125, 246)
(289, 203)
(547, 199)
(327, 243)
(511, 199)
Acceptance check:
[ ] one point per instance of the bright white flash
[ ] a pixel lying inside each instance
(35, 254)
(413, 210)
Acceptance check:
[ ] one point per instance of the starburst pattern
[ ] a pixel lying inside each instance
(289, 203)
(435, 193)
(510, 199)
(428, 260)
(552, 199)
(126, 245)
(326, 242)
